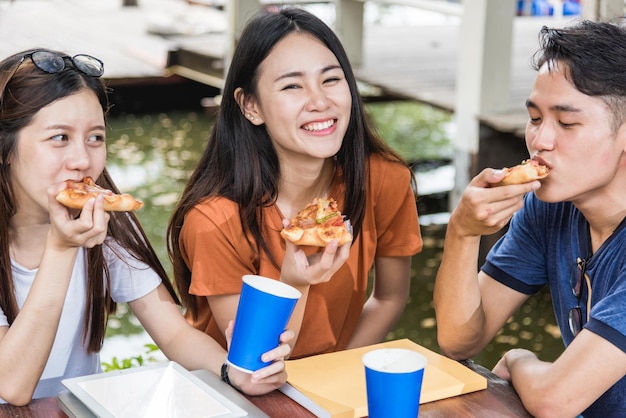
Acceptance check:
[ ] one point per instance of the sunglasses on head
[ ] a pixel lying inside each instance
(575, 317)
(53, 63)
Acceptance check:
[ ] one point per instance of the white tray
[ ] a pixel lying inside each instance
(160, 390)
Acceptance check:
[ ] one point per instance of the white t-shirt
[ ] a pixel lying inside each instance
(130, 280)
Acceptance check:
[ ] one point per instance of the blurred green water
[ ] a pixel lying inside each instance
(151, 156)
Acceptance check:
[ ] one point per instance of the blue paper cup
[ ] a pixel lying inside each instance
(393, 378)
(264, 309)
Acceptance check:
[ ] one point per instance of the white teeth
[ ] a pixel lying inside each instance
(318, 126)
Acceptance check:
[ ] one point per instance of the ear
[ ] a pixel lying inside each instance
(248, 106)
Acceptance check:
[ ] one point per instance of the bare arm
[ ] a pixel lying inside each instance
(587, 368)
(195, 350)
(392, 285)
(25, 346)
(471, 307)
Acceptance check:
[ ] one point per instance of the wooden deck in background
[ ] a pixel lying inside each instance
(416, 62)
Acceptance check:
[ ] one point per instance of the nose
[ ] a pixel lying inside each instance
(540, 137)
(77, 157)
(317, 100)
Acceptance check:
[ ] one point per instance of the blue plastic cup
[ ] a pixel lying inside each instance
(264, 309)
(393, 379)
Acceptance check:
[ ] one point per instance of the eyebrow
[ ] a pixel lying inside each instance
(557, 108)
(300, 73)
(68, 127)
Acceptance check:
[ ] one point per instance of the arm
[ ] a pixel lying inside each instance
(298, 270)
(587, 368)
(392, 285)
(471, 307)
(194, 350)
(25, 346)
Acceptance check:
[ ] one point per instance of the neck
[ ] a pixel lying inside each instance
(27, 244)
(299, 186)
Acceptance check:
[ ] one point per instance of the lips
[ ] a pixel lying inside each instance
(541, 161)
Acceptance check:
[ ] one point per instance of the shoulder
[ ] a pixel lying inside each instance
(215, 209)
(380, 163)
(388, 175)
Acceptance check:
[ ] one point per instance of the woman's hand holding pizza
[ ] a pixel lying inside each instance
(320, 224)
(70, 228)
(298, 269)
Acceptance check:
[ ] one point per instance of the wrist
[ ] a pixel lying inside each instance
(226, 378)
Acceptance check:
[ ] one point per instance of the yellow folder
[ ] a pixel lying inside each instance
(333, 384)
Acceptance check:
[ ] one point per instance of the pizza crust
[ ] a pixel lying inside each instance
(77, 193)
(527, 171)
(316, 237)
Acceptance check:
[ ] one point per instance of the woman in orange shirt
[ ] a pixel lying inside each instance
(292, 127)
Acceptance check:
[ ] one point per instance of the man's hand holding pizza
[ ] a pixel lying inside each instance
(485, 207)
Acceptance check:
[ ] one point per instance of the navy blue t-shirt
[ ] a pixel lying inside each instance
(541, 248)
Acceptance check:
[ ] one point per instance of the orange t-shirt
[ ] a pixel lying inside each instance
(215, 250)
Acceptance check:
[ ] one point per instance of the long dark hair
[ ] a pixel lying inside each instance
(24, 90)
(240, 162)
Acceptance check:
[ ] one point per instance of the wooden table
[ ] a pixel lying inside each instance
(499, 399)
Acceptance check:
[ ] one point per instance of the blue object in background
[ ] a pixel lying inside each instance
(545, 8)
(541, 8)
(571, 7)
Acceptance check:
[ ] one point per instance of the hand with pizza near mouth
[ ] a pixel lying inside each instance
(527, 171)
(78, 192)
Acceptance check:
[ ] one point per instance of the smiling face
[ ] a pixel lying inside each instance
(64, 140)
(573, 135)
(303, 99)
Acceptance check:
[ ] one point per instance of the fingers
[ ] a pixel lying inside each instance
(228, 333)
(484, 210)
(94, 220)
(487, 177)
(277, 354)
(276, 368)
(287, 336)
(88, 228)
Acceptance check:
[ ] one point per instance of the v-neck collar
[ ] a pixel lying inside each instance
(584, 242)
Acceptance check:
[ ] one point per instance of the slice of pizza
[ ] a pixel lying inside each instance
(317, 224)
(78, 192)
(528, 170)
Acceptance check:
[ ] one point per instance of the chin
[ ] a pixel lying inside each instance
(544, 194)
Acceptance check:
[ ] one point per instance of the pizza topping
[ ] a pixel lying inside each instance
(78, 192)
(317, 224)
(327, 218)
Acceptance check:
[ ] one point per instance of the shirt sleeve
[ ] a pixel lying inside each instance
(130, 278)
(518, 259)
(395, 208)
(4, 322)
(608, 316)
(215, 248)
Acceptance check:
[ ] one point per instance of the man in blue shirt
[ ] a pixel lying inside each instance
(566, 231)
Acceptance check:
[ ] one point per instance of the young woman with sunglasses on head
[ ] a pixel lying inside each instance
(292, 127)
(63, 271)
(567, 231)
